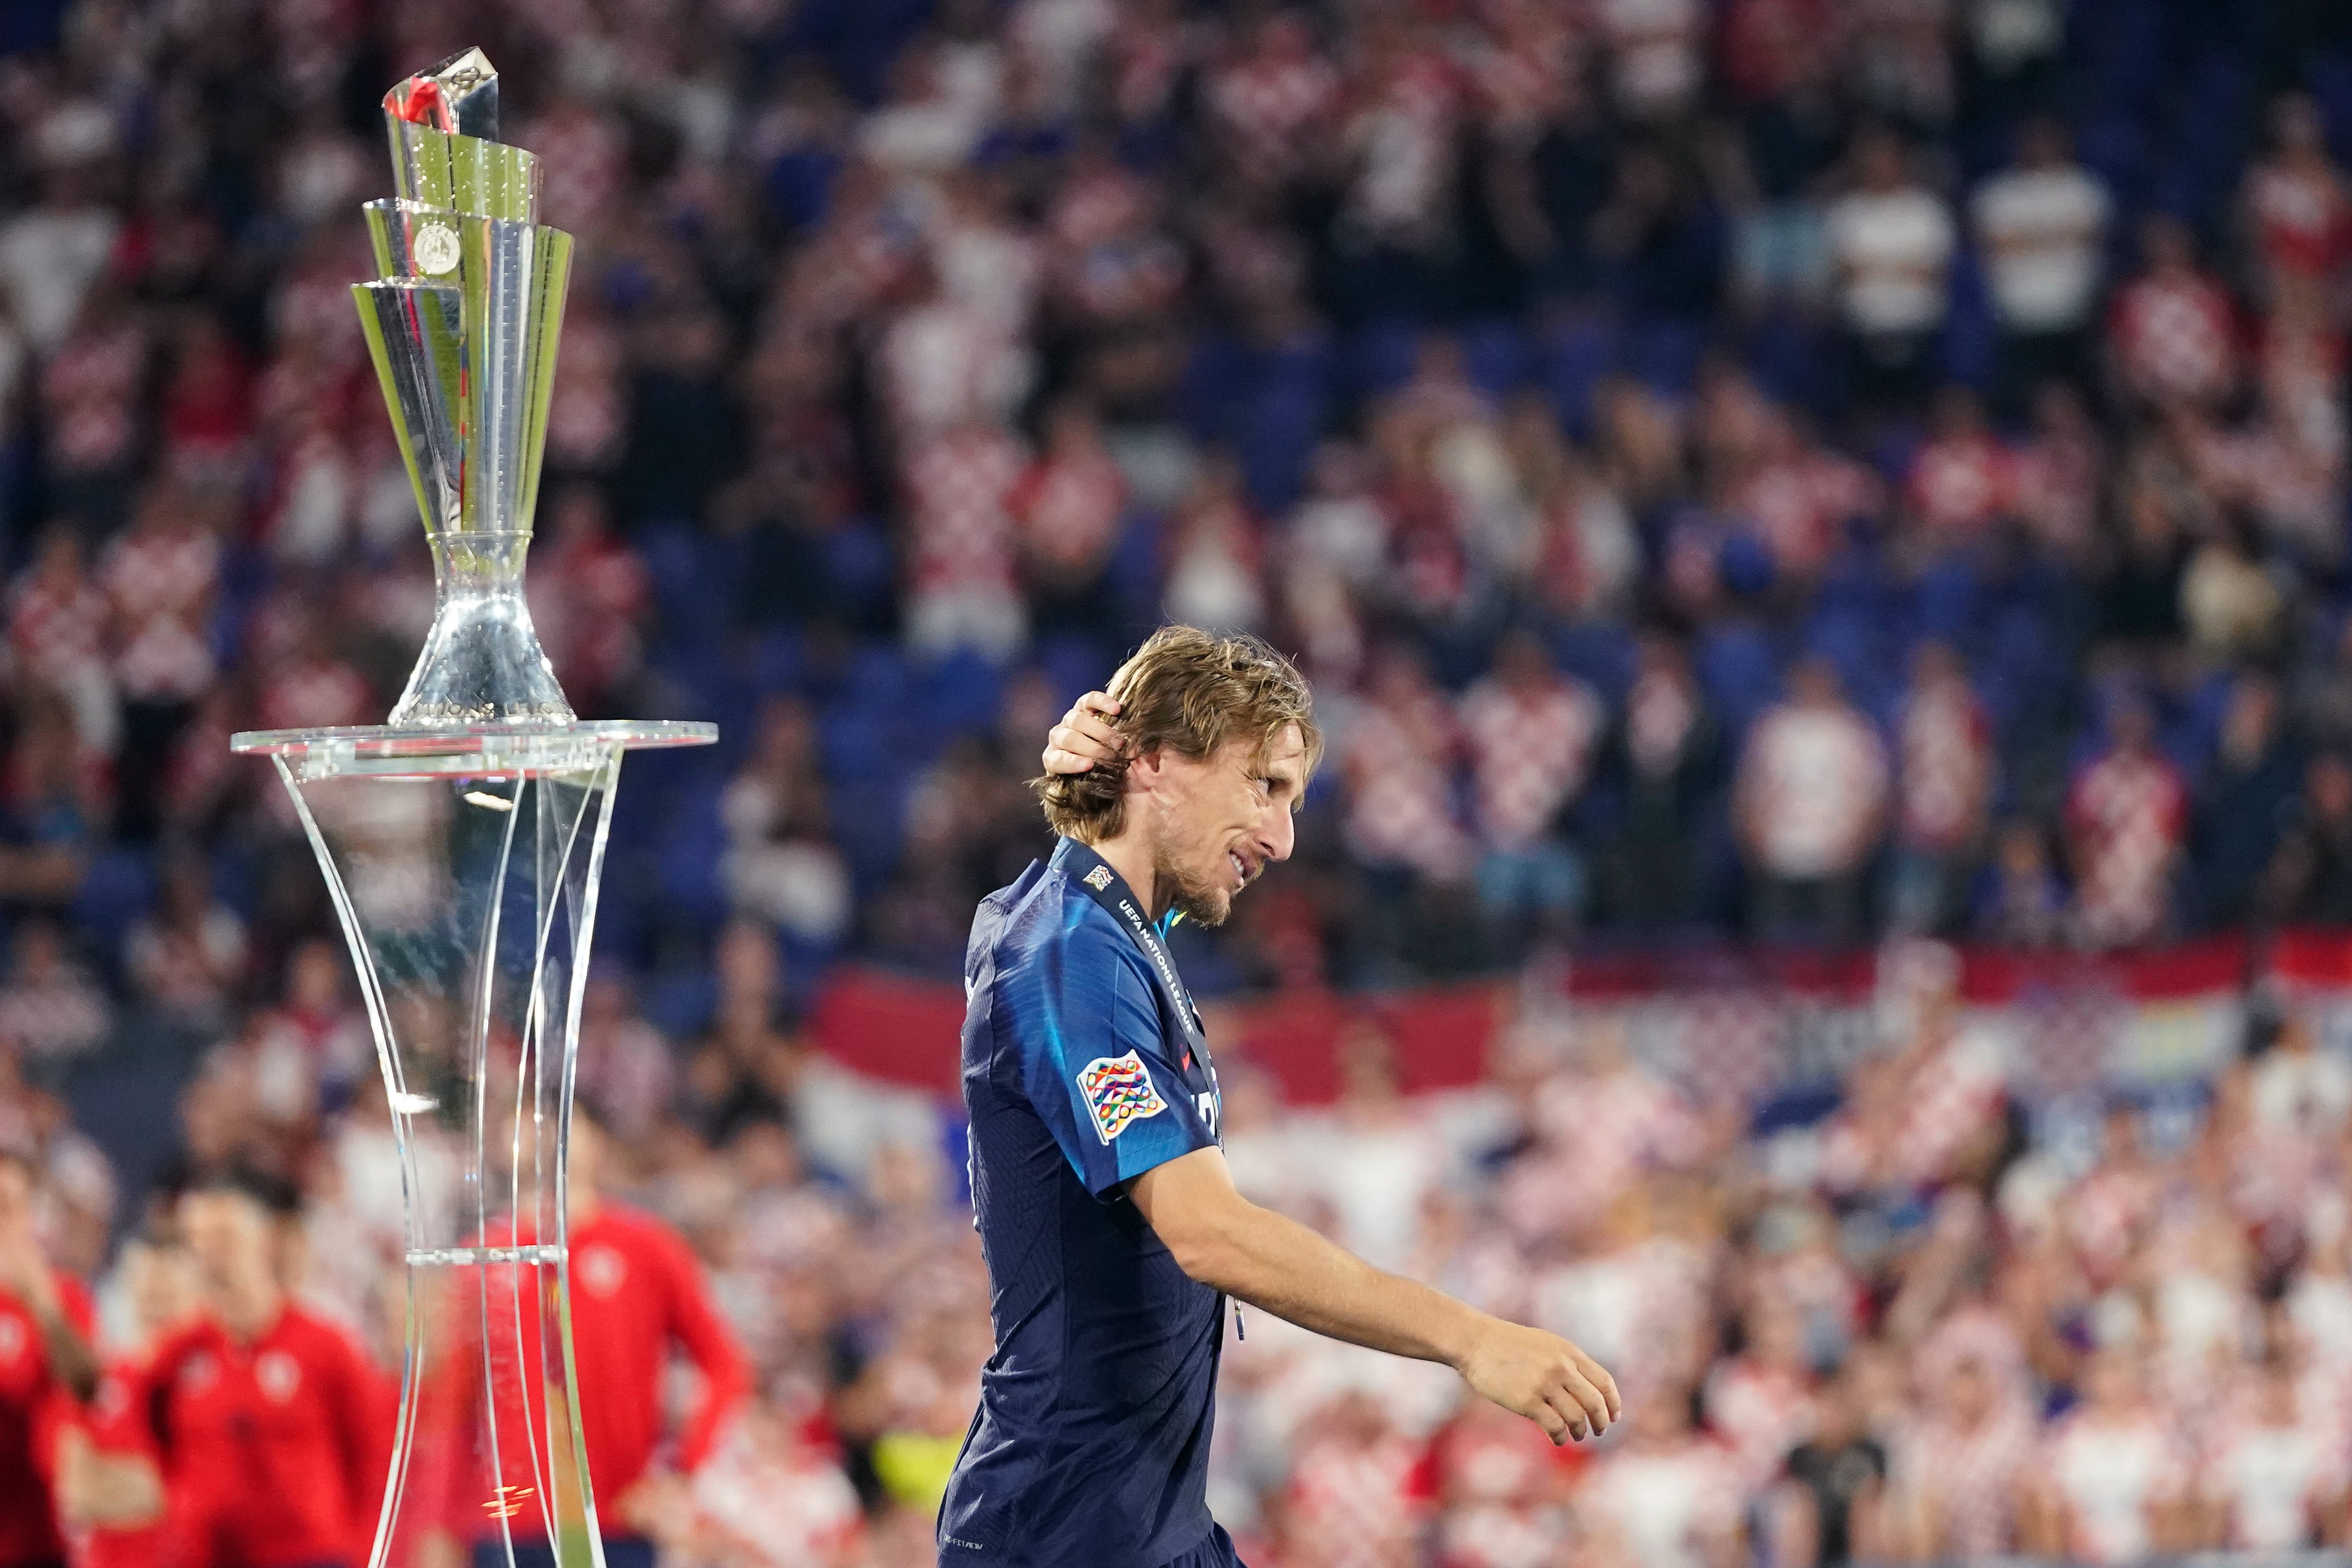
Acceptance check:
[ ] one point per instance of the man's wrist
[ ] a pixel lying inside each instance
(1456, 1335)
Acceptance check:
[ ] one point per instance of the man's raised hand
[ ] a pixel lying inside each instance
(1085, 736)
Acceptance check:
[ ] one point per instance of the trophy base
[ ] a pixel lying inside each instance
(487, 750)
(464, 862)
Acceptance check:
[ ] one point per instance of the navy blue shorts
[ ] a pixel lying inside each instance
(1217, 1552)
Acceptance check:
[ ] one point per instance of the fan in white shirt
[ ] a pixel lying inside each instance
(1667, 1497)
(2114, 1472)
(2042, 228)
(2298, 1086)
(1814, 782)
(2273, 1475)
(1892, 240)
(2043, 224)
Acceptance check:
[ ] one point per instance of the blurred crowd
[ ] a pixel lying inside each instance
(1799, 468)
(1917, 1323)
(1813, 470)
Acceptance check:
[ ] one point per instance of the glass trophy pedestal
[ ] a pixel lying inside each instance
(463, 864)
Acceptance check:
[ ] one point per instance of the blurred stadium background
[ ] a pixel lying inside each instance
(1818, 528)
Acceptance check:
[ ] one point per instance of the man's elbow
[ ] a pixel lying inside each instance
(1208, 1247)
(1206, 1253)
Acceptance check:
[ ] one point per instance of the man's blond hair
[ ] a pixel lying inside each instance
(1191, 691)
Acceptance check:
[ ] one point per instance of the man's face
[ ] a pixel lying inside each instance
(227, 1235)
(1219, 820)
(163, 1283)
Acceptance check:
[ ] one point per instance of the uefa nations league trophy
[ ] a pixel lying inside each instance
(462, 843)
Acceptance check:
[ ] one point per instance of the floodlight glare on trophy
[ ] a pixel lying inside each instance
(462, 843)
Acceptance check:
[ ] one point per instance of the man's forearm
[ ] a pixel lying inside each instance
(1276, 1263)
(71, 1361)
(1223, 1240)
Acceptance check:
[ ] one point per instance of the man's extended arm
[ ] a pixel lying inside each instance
(694, 1325)
(64, 1343)
(1223, 1240)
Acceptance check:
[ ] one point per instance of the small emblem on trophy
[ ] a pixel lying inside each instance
(435, 249)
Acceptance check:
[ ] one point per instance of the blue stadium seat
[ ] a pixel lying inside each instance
(868, 823)
(1856, 645)
(1573, 359)
(118, 888)
(864, 570)
(1380, 356)
(959, 695)
(2195, 732)
(1268, 405)
(1599, 653)
(879, 678)
(692, 842)
(798, 185)
(699, 668)
(1786, 357)
(1970, 348)
(1214, 375)
(2330, 78)
(803, 963)
(1074, 664)
(775, 660)
(2211, 140)
(1664, 355)
(1286, 419)
(1134, 574)
(2121, 47)
(860, 744)
(672, 556)
(2016, 665)
(1739, 669)
(2115, 150)
(680, 1003)
(1498, 356)
(1948, 599)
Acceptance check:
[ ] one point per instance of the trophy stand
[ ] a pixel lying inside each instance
(462, 843)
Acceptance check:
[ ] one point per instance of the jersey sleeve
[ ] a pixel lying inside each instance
(695, 1323)
(1084, 1019)
(365, 1415)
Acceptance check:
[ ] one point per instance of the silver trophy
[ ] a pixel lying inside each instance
(462, 843)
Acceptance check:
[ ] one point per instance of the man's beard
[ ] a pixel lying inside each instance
(1200, 902)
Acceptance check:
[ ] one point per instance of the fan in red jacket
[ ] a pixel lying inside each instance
(45, 1370)
(637, 1295)
(274, 1427)
(110, 1498)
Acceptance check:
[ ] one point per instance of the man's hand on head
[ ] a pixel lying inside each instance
(1085, 736)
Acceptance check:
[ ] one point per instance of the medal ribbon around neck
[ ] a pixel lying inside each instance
(1113, 894)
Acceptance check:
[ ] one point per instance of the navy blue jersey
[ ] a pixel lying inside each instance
(1090, 1447)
